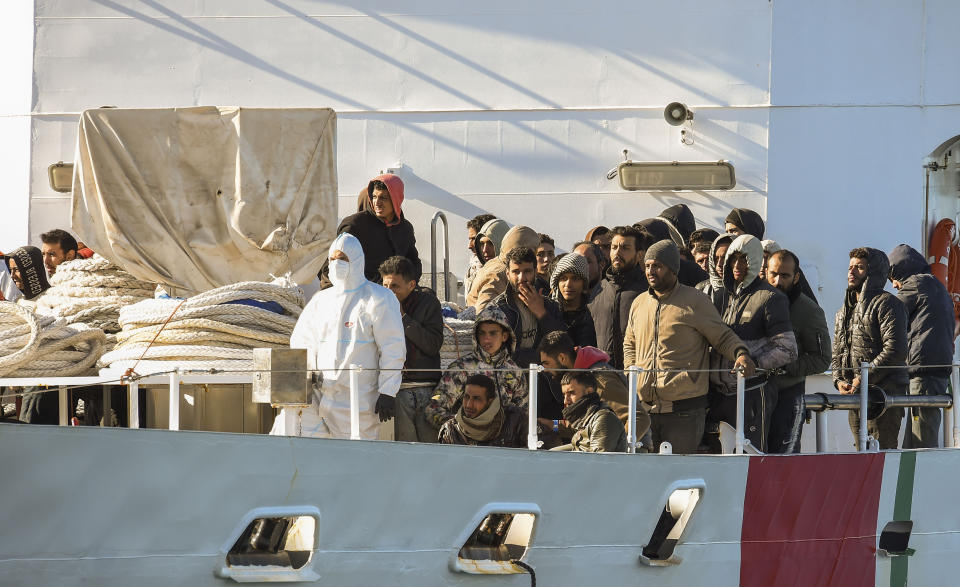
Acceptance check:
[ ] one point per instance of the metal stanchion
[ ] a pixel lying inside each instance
(105, 419)
(354, 402)
(864, 397)
(133, 405)
(633, 372)
(174, 423)
(740, 419)
(64, 408)
(955, 384)
(532, 440)
(821, 420)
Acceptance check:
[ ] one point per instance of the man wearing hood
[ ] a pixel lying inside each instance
(623, 283)
(760, 315)
(713, 285)
(661, 229)
(871, 327)
(671, 329)
(493, 344)
(596, 427)
(813, 353)
(491, 280)
(381, 228)
(355, 322)
(681, 222)
(559, 353)
(474, 225)
(483, 420)
(929, 339)
(597, 264)
(28, 274)
(744, 221)
(530, 314)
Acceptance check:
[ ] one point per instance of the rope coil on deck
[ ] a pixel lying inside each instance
(34, 345)
(216, 329)
(457, 340)
(92, 292)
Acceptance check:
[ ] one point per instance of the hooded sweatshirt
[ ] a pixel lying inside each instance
(872, 328)
(690, 273)
(380, 240)
(491, 280)
(682, 222)
(494, 230)
(746, 220)
(929, 312)
(507, 376)
(757, 312)
(33, 275)
(354, 322)
(713, 286)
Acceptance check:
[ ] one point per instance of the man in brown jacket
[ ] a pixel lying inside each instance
(491, 280)
(669, 334)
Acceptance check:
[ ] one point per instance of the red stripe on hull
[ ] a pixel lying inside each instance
(811, 520)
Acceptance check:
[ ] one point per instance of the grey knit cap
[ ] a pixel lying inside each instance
(666, 253)
(570, 263)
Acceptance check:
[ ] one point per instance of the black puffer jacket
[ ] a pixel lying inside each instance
(871, 328)
(611, 310)
(929, 312)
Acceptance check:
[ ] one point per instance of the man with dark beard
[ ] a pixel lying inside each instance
(482, 420)
(813, 353)
(530, 314)
(624, 281)
(871, 327)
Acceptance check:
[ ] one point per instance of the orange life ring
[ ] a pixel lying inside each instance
(939, 251)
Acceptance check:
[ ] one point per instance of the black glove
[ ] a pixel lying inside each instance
(386, 407)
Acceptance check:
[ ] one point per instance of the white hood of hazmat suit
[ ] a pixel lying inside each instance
(354, 322)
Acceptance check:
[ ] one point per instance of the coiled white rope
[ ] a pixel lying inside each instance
(205, 331)
(457, 340)
(92, 292)
(33, 345)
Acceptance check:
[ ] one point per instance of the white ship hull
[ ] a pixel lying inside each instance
(152, 507)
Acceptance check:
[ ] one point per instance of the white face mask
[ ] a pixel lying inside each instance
(339, 269)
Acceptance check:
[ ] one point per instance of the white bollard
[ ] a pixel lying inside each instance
(741, 385)
(633, 373)
(174, 423)
(864, 397)
(354, 402)
(532, 440)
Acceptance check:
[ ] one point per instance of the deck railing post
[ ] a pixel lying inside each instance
(864, 399)
(532, 440)
(955, 385)
(133, 405)
(64, 408)
(633, 373)
(174, 398)
(354, 402)
(821, 421)
(741, 385)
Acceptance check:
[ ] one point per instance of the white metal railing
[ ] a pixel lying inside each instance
(175, 378)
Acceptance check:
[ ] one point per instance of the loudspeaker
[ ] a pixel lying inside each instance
(676, 113)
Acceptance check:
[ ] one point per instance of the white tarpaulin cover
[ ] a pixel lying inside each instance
(197, 198)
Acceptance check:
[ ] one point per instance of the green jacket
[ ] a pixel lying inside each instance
(598, 429)
(813, 341)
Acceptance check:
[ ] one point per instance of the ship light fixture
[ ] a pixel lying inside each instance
(676, 175)
(60, 175)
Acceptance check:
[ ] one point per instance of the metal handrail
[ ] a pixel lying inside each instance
(446, 254)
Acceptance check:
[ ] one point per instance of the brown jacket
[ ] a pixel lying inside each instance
(491, 280)
(675, 331)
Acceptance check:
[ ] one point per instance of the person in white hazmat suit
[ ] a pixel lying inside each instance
(354, 322)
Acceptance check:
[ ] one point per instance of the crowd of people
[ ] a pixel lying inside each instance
(690, 307)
